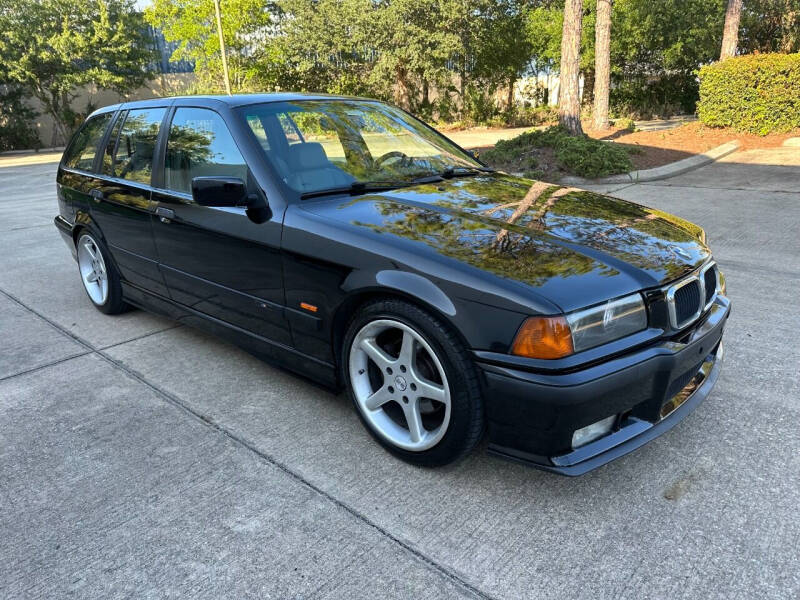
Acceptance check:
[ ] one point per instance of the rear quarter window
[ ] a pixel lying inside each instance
(83, 149)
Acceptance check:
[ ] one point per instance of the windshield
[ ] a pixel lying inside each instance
(318, 145)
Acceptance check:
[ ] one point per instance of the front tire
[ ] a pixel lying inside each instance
(413, 383)
(99, 276)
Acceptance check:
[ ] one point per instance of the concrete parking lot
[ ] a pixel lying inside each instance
(144, 459)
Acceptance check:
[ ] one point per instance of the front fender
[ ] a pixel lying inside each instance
(407, 283)
(479, 324)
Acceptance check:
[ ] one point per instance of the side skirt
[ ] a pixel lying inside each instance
(313, 369)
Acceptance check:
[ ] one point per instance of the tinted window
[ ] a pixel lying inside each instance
(199, 144)
(111, 144)
(133, 158)
(81, 153)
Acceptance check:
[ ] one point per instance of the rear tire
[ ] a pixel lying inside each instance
(99, 276)
(412, 382)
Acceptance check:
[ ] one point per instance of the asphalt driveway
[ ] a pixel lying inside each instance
(141, 458)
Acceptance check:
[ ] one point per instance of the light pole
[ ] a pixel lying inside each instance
(222, 49)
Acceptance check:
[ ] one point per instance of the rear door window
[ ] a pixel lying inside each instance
(199, 144)
(111, 145)
(133, 157)
(83, 149)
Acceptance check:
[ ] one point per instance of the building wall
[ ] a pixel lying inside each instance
(90, 98)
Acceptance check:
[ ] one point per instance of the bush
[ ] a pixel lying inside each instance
(531, 116)
(580, 155)
(643, 97)
(17, 131)
(625, 123)
(758, 93)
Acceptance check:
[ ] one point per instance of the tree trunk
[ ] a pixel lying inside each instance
(402, 93)
(51, 102)
(730, 35)
(426, 100)
(602, 63)
(569, 102)
(510, 101)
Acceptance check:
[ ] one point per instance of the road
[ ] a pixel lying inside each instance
(142, 458)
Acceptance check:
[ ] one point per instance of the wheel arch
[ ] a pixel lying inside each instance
(84, 222)
(409, 287)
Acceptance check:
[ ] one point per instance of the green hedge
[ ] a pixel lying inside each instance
(758, 93)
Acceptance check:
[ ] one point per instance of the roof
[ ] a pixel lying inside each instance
(234, 100)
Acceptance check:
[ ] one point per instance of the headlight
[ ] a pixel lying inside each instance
(559, 336)
(607, 322)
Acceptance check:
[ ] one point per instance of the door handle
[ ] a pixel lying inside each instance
(165, 215)
(96, 194)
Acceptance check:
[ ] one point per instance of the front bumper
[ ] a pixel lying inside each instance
(532, 416)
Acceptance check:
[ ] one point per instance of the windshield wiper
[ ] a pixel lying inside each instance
(357, 187)
(451, 172)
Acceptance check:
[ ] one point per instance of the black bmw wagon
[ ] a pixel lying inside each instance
(346, 240)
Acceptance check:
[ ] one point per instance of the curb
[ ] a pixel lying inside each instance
(16, 153)
(662, 172)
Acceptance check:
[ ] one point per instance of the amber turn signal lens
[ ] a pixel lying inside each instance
(543, 337)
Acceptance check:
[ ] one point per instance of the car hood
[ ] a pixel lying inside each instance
(575, 247)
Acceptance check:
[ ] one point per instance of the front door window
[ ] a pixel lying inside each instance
(199, 144)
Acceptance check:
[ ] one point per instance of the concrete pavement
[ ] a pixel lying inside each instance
(146, 459)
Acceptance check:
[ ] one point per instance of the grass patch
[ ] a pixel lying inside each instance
(581, 156)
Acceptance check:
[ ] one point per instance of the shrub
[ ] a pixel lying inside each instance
(625, 123)
(757, 93)
(17, 131)
(530, 116)
(643, 97)
(580, 155)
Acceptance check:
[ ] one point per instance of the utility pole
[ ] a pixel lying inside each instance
(222, 49)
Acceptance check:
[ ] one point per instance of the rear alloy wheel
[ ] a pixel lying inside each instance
(412, 383)
(99, 278)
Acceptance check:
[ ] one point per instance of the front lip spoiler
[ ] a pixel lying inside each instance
(632, 435)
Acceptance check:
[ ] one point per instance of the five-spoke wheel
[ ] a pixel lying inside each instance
(399, 384)
(93, 269)
(412, 383)
(98, 274)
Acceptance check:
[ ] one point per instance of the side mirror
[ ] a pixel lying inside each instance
(220, 191)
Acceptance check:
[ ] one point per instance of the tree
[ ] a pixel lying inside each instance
(569, 102)
(52, 47)
(325, 45)
(247, 27)
(730, 35)
(505, 51)
(602, 58)
(770, 26)
(656, 50)
(412, 50)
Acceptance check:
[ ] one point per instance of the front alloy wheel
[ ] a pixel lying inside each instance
(400, 385)
(412, 382)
